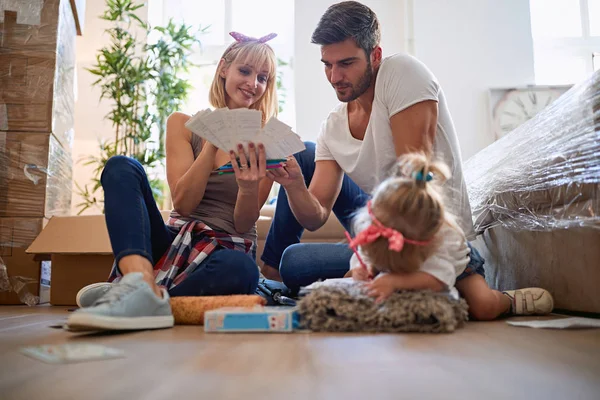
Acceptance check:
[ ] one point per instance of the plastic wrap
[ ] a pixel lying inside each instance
(19, 273)
(37, 67)
(64, 79)
(17, 285)
(544, 175)
(35, 175)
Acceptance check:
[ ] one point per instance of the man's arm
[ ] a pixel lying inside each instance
(311, 206)
(414, 128)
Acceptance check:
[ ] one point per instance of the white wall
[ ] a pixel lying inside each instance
(90, 125)
(314, 95)
(472, 45)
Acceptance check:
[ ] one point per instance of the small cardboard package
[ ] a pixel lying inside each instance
(257, 319)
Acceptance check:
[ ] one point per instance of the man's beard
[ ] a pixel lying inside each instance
(361, 87)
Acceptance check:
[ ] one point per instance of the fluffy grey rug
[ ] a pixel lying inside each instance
(346, 308)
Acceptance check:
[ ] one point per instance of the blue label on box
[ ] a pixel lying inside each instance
(45, 273)
(262, 319)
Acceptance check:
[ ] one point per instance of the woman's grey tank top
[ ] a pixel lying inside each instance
(218, 203)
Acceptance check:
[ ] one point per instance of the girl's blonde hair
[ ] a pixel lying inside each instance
(409, 201)
(252, 53)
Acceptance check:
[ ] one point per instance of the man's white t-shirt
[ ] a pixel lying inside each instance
(402, 81)
(447, 262)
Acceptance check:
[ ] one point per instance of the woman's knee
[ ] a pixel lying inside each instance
(119, 166)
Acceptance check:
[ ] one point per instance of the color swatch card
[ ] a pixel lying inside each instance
(71, 353)
(227, 128)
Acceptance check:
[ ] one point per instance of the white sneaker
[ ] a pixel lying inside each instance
(530, 301)
(89, 294)
(130, 304)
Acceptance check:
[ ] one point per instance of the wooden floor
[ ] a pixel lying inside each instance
(481, 361)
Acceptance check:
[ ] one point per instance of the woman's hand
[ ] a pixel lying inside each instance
(252, 169)
(287, 175)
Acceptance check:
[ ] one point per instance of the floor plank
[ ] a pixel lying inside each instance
(484, 360)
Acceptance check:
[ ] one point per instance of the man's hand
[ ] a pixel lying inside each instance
(289, 175)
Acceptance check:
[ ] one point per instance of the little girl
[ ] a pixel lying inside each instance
(407, 240)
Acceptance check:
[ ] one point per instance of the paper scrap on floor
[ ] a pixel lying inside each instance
(71, 353)
(560, 323)
(227, 128)
(326, 283)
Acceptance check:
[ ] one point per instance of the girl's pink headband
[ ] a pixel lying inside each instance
(377, 229)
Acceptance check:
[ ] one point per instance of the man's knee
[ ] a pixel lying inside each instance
(289, 267)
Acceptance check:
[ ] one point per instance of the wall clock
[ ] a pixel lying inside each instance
(514, 106)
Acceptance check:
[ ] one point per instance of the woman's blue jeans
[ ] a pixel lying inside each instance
(135, 226)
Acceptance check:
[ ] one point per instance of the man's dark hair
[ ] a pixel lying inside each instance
(348, 19)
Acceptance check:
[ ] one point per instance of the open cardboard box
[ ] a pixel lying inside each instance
(80, 254)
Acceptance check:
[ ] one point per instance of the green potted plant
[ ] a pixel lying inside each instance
(145, 83)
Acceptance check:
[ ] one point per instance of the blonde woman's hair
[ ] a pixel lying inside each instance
(412, 206)
(252, 53)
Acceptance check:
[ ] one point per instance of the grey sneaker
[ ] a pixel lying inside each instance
(89, 294)
(129, 305)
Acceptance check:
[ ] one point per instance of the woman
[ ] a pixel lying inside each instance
(208, 245)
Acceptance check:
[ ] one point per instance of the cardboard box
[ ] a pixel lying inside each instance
(80, 253)
(258, 319)
(16, 234)
(36, 180)
(37, 67)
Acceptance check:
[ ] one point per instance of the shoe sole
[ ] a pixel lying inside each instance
(85, 289)
(84, 321)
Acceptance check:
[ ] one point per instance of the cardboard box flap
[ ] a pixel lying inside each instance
(84, 234)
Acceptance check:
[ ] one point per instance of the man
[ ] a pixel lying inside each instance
(389, 107)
